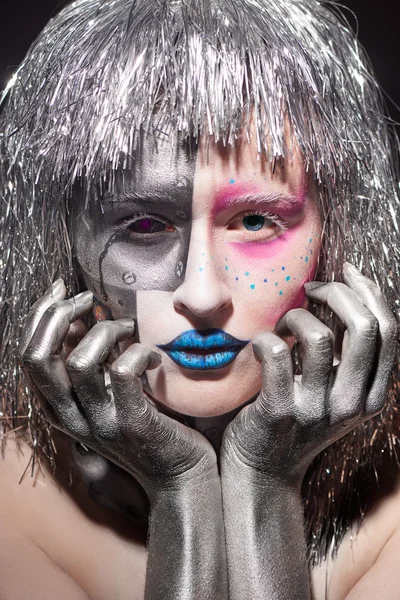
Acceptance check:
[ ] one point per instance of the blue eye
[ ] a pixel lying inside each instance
(253, 222)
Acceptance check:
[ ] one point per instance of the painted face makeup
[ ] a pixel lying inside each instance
(204, 249)
(202, 350)
(137, 237)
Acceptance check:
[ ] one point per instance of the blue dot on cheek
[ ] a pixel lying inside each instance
(252, 286)
(281, 293)
(237, 278)
(201, 268)
(226, 267)
(247, 273)
(288, 278)
(231, 181)
(306, 259)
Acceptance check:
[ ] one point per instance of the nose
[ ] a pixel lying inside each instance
(203, 291)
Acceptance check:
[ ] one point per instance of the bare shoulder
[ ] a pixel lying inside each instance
(53, 535)
(368, 558)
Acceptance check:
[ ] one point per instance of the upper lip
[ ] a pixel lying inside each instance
(213, 340)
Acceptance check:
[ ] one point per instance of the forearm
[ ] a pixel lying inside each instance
(265, 539)
(186, 546)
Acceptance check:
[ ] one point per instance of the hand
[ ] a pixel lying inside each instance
(295, 418)
(115, 420)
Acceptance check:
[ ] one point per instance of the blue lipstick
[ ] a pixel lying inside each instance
(207, 349)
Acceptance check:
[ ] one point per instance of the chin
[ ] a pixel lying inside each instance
(205, 397)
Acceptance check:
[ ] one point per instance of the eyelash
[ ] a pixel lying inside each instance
(283, 226)
(277, 221)
(128, 221)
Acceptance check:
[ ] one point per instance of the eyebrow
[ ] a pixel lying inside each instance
(151, 197)
(227, 200)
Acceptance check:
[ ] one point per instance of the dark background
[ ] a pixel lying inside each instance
(22, 20)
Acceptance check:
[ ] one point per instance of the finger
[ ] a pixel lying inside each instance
(277, 394)
(373, 298)
(44, 404)
(85, 367)
(126, 383)
(359, 347)
(56, 293)
(46, 367)
(316, 341)
(76, 333)
(54, 325)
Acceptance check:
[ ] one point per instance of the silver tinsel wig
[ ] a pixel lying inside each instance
(103, 73)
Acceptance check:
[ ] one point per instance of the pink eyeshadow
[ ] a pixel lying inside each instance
(263, 250)
(228, 196)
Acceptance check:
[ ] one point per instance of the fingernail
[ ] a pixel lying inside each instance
(126, 322)
(351, 269)
(313, 285)
(55, 287)
(83, 298)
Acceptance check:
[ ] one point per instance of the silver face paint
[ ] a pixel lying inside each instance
(116, 260)
(129, 278)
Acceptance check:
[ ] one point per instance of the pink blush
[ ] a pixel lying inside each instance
(263, 250)
(297, 301)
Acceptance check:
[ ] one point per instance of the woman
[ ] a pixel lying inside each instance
(195, 166)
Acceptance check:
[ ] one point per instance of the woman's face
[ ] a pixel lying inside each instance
(204, 248)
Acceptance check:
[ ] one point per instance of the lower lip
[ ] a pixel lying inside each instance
(213, 360)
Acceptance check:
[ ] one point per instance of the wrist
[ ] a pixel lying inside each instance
(238, 473)
(202, 484)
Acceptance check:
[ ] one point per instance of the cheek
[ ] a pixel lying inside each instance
(116, 271)
(269, 277)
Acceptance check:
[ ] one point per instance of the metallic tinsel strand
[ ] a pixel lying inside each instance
(105, 72)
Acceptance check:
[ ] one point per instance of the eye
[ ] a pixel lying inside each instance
(147, 225)
(253, 222)
(257, 225)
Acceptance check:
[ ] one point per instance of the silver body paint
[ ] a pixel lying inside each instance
(115, 266)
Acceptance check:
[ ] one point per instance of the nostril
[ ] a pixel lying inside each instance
(202, 301)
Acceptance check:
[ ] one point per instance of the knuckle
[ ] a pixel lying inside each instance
(57, 310)
(76, 363)
(33, 359)
(279, 350)
(324, 338)
(102, 326)
(119, 370)
(367, 325)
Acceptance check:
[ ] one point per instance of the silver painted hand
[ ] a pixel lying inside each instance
(115, 420)
(174, 464)
(294, 418)
(268, 447)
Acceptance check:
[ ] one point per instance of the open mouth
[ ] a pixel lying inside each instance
(208, 349)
